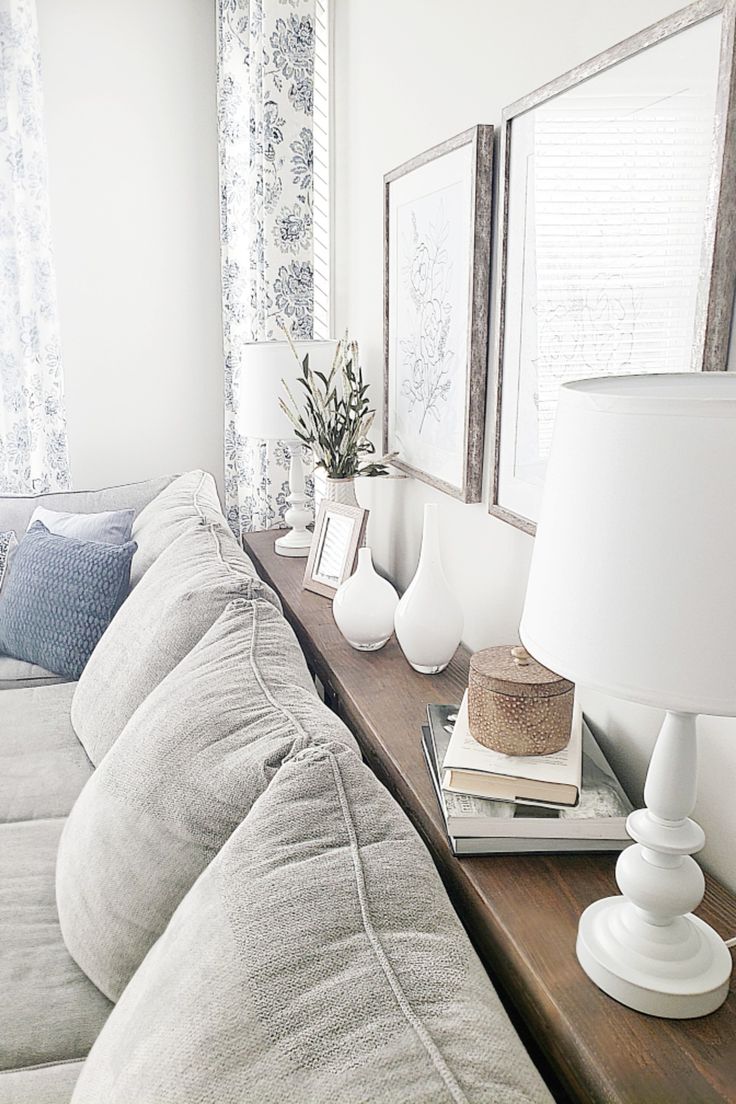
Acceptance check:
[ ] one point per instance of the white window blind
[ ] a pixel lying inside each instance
(618, 215)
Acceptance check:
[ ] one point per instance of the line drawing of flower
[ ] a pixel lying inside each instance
(426, 358)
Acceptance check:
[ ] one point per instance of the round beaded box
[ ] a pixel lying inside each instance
(517, 706)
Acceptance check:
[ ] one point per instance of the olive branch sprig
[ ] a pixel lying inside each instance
(336, 416)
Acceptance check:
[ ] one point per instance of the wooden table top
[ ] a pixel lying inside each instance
(521, 911)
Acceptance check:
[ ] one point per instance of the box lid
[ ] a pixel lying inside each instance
(510, 669)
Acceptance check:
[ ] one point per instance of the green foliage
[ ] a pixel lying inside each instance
(335, 416)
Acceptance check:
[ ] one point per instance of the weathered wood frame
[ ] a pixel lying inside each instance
(359, 517)
(717, 286)
(481, 139)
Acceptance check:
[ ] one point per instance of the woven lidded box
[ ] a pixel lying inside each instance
(517, 706)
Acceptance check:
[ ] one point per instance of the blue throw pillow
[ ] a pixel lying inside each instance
(60, 597)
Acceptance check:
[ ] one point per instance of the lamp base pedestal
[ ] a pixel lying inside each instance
(646, 949)
(680, 970)
(298, 540)
(294, 543)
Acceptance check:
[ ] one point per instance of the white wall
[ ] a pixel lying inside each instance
(130, 115)
(408, 75)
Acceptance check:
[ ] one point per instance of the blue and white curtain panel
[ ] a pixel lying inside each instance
(266, 52)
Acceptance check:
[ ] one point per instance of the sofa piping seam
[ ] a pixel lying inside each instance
(195, 496)
(259, 678)
(410, 1015)
(46, 1065)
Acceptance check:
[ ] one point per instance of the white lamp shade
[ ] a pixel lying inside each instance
(263, 365)
(632, 587)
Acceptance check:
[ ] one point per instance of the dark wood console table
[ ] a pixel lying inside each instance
(521, 911)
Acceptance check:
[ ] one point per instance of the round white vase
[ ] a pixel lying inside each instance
(364, 606)
(428, 619)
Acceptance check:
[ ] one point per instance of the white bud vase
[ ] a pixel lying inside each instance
(428, 619)
(364, 606)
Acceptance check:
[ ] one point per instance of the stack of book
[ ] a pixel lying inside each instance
(493, 803)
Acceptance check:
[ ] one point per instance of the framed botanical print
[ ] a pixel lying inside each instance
(617, 243)
(437, 239)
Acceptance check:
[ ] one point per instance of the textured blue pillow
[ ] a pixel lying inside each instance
(60, 597)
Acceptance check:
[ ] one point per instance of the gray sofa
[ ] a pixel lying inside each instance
(205, 895)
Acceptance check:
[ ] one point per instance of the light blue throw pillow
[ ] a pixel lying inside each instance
(60, 597)
(110, 526)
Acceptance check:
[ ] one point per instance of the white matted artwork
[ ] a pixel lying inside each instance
(437, 255)
(612, 185)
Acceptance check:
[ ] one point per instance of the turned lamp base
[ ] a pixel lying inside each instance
(298, 540)
(646, 949)
(294, 543)
(678, 971)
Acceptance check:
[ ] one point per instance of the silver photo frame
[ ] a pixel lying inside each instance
(338, 533)
(437, 242)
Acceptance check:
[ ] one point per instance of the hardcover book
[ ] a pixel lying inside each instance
(471, 768)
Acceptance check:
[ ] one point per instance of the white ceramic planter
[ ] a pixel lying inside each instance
(364, 606)
(428, 619)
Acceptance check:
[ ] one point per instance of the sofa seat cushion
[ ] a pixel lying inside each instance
(18, 673)
(49, 1084)
(43, 766)
(317, 958)
(173, 606)
(182, 775)
(50, 1011)
(183, 503)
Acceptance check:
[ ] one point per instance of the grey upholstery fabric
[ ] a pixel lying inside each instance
(180, 778)
(16, 510)
(17, 673)
(186, 501)
(173, 606)
(52, 1084)
(316, 959)
(43, 766)
(49, 1010)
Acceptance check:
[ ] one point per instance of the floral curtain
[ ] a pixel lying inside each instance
(33, 445)
(265, 110)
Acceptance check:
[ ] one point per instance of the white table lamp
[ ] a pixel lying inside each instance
(263, 366)
(632, 592)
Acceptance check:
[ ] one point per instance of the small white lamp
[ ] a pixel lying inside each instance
(632, 592)
(263, 366)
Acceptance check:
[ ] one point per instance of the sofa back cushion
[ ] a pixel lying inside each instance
(317, 958)
(171, 609)
(184, 503)
(16, 510)
(181, 777)
(60, 597)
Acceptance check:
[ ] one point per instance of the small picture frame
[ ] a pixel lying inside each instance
(338, 534)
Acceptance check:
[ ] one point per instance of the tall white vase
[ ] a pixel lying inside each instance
(428, 619)
(364, 606)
